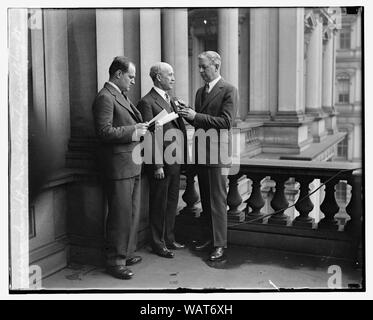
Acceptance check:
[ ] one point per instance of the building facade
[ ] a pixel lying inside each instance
(348, 93)
(282, 60)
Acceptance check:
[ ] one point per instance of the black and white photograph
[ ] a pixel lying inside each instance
(186, 148)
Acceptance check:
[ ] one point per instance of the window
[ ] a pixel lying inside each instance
(343, 89)
(342, 148)
(345, 39)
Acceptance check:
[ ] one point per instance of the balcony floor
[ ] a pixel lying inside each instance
(246, 268)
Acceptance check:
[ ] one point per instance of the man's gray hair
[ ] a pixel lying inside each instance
(212, 56)
(157, 69)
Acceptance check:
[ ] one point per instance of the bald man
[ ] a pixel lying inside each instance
(164, 177)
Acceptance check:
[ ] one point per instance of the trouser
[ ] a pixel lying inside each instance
(213, 191)
(122, 220)
(163, 200)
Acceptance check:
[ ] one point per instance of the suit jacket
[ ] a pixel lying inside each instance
(217, 112)
(115, 119)
(149, 106)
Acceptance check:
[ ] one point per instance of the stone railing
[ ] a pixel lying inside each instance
(275, 183)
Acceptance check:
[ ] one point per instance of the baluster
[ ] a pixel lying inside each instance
(279, 202)
(329, 208)
(234, 200)
(256, 201)
(354, 207)
(190, 195)
(304, 206)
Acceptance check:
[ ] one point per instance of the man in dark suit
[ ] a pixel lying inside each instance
(164, 176)
(119, 126)
(215, 109)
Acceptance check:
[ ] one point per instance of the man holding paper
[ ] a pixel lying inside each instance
(119, 126)
(164, 173)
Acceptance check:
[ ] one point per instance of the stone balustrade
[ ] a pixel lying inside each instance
(286, 186)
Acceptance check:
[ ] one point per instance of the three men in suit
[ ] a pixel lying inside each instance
(215, 108)
(164, 177)
(119, 126)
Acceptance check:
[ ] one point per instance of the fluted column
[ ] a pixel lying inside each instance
(327, 73)
(109, 43)
(150, 44)
(82, 48)
(314, 76)
(175, 48)
(259, 63)
(291, 53)
(228, 44)
(131, 40)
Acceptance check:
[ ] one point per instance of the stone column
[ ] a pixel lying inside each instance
(314, 58)
(175, 48)
(288, 132)
(328, 83)
(197, 82)
(259, 64)
(358, 87)
(327, 75)
(150, 44)
(314, 80)
(291, 51)
(228, 44)
(131, 40)
(109, 38)
(244, 61)
(82, 70)
(57, 85)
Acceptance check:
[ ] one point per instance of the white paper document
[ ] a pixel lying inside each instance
(164, 117)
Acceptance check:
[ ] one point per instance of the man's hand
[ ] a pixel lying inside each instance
(159, 174)
(187, 113)
(140, 130)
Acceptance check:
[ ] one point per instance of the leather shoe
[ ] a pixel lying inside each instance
(120, 272)
(164, 252)
(217, 254)
(133, 260)
(202, 245)
(175, 245)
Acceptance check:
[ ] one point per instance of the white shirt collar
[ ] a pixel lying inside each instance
(213, 83)
(161, 92)
(115, 86)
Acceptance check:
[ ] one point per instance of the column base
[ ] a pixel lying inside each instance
(302, 223)
(236, 217)
(279, 221)
(288, 134)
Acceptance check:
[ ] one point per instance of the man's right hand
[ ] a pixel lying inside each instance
(140, 130)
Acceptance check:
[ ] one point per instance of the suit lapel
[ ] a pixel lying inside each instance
(164, 105)
(160, 101)
(123, 102)
(213, 93)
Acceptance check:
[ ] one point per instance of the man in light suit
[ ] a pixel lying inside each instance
(215, 109)
(164, 177)
(119, 126)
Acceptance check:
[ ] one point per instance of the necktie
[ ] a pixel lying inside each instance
(167, 98)
(205, 92)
